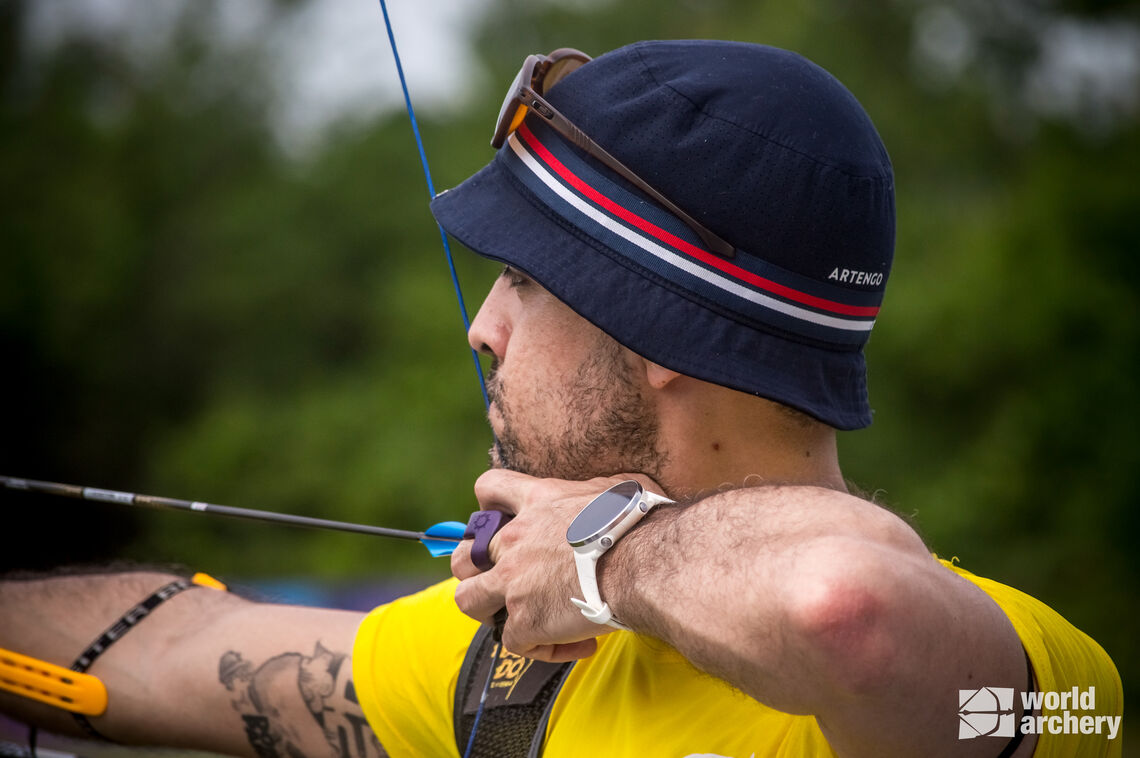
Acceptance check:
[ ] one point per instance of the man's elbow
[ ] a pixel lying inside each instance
(842, 625)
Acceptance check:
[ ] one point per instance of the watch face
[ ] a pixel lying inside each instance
(603, 512)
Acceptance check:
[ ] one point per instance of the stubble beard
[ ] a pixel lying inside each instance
(606, 427)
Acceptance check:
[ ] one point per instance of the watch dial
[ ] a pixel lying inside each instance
(603, 512)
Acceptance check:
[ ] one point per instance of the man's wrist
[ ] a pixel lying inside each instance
(625, 570)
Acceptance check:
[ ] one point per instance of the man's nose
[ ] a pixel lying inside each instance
(490, 330)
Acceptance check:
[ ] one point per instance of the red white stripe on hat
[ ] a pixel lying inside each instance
(600, 208)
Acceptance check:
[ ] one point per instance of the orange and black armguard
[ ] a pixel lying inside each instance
(52, 684)
(72, 689)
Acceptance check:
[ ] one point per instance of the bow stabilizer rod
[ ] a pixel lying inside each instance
(447, 532)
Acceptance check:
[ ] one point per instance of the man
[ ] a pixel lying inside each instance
(696, 238)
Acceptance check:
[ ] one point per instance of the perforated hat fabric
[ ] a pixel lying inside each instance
(763, 147)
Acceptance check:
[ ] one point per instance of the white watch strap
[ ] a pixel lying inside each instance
(586, 561)
(593, 607)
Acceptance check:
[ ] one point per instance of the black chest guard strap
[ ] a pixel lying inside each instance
(518, 704)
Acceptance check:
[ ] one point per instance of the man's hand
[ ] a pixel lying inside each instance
(534, 575)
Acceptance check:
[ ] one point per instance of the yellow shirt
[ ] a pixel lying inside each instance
(644, 699)
(1063, 657)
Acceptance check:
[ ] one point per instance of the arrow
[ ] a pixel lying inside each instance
(440, 539)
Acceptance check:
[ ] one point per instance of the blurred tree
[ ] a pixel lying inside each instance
(187, 310)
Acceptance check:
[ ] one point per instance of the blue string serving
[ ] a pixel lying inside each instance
(431, 194)
(458, 294)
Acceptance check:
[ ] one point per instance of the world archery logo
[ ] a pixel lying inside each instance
(985, 712)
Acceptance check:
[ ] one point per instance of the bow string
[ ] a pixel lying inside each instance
(478, 528)
(431, 195)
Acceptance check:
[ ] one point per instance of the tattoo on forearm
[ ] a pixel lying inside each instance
(273, 698)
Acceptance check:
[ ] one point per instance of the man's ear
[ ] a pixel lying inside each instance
(659, 376)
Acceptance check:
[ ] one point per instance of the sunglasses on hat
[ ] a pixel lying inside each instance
(541, 72)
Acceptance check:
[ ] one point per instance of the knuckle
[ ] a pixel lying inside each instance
(505, 537)
(484, 485)
(513, 640)
(462, 598)
(456, 562)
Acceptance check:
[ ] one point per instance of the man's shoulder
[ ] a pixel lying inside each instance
(1062, 655)
(424, 630)
(434, 604)
(405, 661)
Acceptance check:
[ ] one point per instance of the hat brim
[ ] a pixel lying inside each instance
(498, 218)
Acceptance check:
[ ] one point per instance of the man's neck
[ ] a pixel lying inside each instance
(735, 440)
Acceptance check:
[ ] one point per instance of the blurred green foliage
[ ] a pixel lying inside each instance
(187, 310)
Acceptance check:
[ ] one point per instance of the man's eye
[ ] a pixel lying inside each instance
(514, 278)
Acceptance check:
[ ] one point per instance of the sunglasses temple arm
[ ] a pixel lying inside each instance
(579, 138)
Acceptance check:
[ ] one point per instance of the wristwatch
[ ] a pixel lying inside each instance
(595, 530)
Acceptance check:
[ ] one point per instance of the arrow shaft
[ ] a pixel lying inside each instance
(168, 503)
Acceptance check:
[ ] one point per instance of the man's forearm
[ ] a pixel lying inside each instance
(205, 670)
(57, 618)
(727, 580)
(810, 601)
(125, 622)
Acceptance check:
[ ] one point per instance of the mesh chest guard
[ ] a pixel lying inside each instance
(519, 699)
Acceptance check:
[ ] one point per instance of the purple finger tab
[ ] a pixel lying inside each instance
(481, 527)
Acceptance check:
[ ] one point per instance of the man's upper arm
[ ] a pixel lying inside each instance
(280, 677)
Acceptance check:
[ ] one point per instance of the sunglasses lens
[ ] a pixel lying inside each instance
(557, 72)
(517, 119)
(509, 112)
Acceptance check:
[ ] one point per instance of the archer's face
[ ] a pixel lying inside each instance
(567, 401)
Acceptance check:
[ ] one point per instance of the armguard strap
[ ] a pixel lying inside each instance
(128, 621)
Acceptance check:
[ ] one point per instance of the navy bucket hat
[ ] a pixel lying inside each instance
(758, 144)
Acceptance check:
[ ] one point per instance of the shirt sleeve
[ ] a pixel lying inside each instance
(1063, 657)
(406, 659)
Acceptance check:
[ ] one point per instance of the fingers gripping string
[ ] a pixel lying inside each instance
(431, 195)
